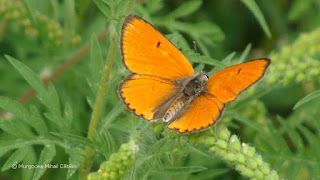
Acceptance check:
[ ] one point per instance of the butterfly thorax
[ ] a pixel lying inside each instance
(190, 89)
(196, 85)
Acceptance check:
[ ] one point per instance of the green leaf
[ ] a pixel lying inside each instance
(228, 59)
(178, 40)
(245, 53)
(70, 17)
(74, 138)
(8, 145)
(254, 8)
(52, 101)
(76, 158)
(181, 170)
(32, 78)
(37, 122)
(185, 9)
(14, 107)
(46, 156)
(29, 159)
(251, 124)
(16, 128)
(154, 6)
(199, 68)
(293, 134)
(225, 62)
(306, 99)
(193, 57)
(211, 173)
(68, 114)
(104, 8)
(14, 159)
(95, 64)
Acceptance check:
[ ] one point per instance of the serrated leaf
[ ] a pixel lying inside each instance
(307, 98)
(32, 78)
(16, 128)
(74, 138)
(193, 57)
(227, 60)
(178, 40)
(52, 100)
(29, 159)
(293, 134)
(14, 107)
(181, 170)
(186, 9)
(8, 145)
(104, 8)
(14, 159)
(154, 6)
(254, 8)
(76, 157)
(96, 64)
(245, 53)
(46, 156)
(37, 122)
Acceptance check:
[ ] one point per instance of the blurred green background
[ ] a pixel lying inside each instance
(53, 38)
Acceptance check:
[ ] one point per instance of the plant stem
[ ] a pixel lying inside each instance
(86, 166)
(84, 170)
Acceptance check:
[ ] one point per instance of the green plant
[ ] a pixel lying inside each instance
(79, 120)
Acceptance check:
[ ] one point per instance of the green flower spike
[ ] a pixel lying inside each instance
(119, 163)
(297, 62)
(243, 157)
(14, 11)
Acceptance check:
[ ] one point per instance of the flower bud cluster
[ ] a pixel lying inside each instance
(14, 11)
(297, 62)
(119, 163)
(243, 157)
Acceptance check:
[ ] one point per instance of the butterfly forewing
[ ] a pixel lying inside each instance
(146, 51)
(229, 82)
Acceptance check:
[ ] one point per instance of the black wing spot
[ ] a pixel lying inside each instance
(239, 71)
(158, 44)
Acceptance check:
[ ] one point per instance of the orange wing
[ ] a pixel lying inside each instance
(143, 94)
(204, 111)
(231, 81)
(146, 51)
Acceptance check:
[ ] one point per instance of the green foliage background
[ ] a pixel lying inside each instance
(51, 40)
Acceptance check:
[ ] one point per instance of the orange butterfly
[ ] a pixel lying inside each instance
(163, 84)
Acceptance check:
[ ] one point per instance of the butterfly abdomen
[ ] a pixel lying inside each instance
(174, 109)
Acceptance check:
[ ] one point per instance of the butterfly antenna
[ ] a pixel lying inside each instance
(195, 49)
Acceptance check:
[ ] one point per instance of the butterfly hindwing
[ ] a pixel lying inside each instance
(146, 51)
(203, 112)
(143, 94)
